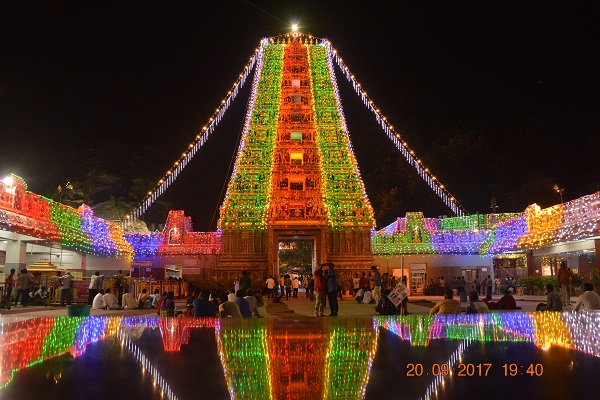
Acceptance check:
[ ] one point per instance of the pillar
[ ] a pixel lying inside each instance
(16, 255)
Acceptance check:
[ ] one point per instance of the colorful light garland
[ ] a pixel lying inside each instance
(201, 138)
(408, 154)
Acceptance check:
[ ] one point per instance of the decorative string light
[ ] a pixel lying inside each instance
(409, 154)
(201, 138)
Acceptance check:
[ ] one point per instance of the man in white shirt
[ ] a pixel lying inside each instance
(231, 297)
(368, 297)
(98, 303)
(155, 298)
(589, 300)
(111, 300)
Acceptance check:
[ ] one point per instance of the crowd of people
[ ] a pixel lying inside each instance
(323, 287)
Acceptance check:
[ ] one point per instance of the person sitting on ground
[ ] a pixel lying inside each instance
(253, 302)
(553, 301)
(154, 298)
(475, 306)
(41, 293)
(167, 308)
(446, 306)
(360, 294)
(161, 301)
(142, 299)
(128, 300)
(488, 301)
(111, 301)
(243, 304)
(98, 303)
(507, 302)
(385, 305)
(589, 300)
(231, 296)
(203, 307)
(368, 297)
(228, 308)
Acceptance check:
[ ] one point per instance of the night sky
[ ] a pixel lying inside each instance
(497, 98)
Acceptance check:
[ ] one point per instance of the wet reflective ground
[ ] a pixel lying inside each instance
(516, 355)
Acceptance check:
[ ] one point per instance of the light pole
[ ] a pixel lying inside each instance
(559, 191)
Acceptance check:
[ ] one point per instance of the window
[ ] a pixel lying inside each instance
(298, 185)
(296, 157)
(296, 136)
(295, 82)
(296, 99)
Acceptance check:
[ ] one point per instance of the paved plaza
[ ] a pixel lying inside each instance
(300, 307)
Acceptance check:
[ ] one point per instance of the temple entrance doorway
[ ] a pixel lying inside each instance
(296, 256)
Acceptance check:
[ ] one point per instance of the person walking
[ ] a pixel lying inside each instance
(332, 289)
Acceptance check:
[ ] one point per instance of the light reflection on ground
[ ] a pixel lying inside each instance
(399, 357)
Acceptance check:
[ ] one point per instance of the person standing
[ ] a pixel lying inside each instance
(24, 283)
(10, 281)
(288, 286)
(442, 285)
(119, 283)
(295, 287)
(65, 288)
(564, 280)
(96, 283)
(477, 284)
(320, 290)
(363, 282)
(281, 285)
(377, 283)
(245, 282)
(332, 290)
(310, 287)
(270, 287)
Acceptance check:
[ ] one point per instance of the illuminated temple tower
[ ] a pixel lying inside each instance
(296, 176)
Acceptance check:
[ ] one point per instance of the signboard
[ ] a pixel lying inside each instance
(141, 263)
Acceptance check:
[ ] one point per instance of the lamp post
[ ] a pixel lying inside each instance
(559, 191)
